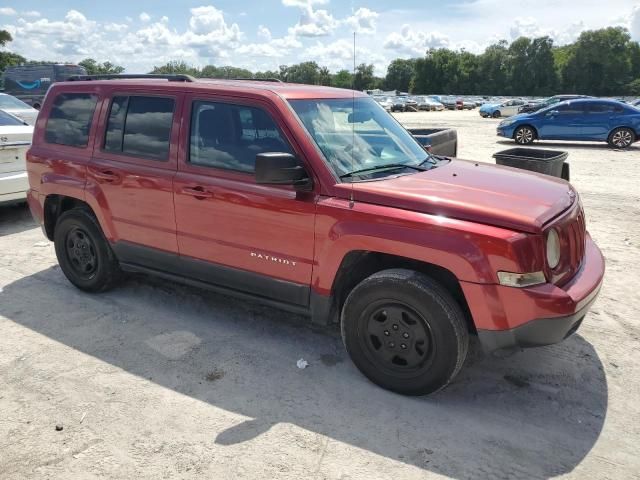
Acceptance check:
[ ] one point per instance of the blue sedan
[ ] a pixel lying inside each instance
(585, 120)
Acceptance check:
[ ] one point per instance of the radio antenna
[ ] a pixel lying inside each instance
(353, 123)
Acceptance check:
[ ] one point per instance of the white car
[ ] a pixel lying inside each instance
(15, 139)
(14, 106)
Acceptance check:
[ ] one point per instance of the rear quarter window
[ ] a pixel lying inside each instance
(140, 126)
(70, 119)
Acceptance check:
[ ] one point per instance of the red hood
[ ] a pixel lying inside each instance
(479, 192)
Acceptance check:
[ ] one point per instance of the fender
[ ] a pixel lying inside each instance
(472, 252)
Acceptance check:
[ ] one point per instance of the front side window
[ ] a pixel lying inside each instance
(140, 126)
(357, 134)
(230, 136)
(70, 119)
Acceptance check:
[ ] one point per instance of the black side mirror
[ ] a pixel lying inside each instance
(277, 168)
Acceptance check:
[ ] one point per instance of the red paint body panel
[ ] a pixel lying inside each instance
(473, 220)
(495, 307)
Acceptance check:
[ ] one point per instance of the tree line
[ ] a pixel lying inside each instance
(603, 62)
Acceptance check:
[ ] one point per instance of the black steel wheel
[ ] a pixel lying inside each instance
(404, 331)
(398, 339)
(83, 252)
(621, 138)
(524, 135)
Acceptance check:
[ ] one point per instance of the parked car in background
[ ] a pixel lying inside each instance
(385, 102)
(448, 101)
(534, 106)
(18, 108)
(504, 109)
(428, 104)
(291, 205)
(404, 104)
(468, 104)
(584, 119)
(30, 83)
(15, 139)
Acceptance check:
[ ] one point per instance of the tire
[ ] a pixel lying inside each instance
(496, 114)
(524, 135)
(406, 309)
(83, 252)
(621, 138)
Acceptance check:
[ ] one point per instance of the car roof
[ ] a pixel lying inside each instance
(288, 91)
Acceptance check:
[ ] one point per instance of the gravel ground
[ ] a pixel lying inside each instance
(157, 380)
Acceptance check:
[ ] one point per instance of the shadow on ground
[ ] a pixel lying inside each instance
(15, 218)
(534, 414)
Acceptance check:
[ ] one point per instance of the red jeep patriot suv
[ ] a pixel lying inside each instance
(315, 200)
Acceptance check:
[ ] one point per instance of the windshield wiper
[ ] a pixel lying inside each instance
(389, 166)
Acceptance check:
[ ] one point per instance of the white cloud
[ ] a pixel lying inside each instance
(634, 23)
(264, 32)
(145, 17)
(312, 23)
(32, 13)
(363, 21)
(529, 27)
(8, 11)
(339, 54)
(411, 42)
(303, 3)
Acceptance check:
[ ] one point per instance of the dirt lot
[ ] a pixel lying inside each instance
(156, 380)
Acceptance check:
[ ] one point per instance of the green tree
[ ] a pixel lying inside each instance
(599, 62)
(175, 67)
(342, 79)
(364, 78)
(94, 68)
(400, 73)
(5, 37)
(493, 70)
(324, 76)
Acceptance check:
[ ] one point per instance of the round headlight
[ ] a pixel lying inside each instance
(553, 248)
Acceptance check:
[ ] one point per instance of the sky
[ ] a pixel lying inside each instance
(261, 35)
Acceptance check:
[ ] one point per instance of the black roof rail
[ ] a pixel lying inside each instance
(126, 76)
(277, 80)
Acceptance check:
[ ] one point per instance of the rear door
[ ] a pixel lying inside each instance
(599, 119)
(231, 231)
(132, 169)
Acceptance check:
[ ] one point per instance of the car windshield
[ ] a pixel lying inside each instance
(9, 120)
(357, 135)
(12, 103)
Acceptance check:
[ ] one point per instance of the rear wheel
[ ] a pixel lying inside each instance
(83, 252)
(524, 135)
(496, 114)
(404, 332)
(621, 138)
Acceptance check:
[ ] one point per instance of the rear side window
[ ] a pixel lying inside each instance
(230, 136)
(70, 118)
(140, 126)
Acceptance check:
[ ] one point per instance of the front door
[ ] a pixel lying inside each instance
(253, 238)
(563, 122)
(132, 169)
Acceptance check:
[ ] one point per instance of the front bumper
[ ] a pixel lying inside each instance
(505, 132)
(534, 316)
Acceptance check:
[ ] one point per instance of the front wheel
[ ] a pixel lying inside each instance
(621, 138)
(404, 332)
(524, 135)
(496, 114)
